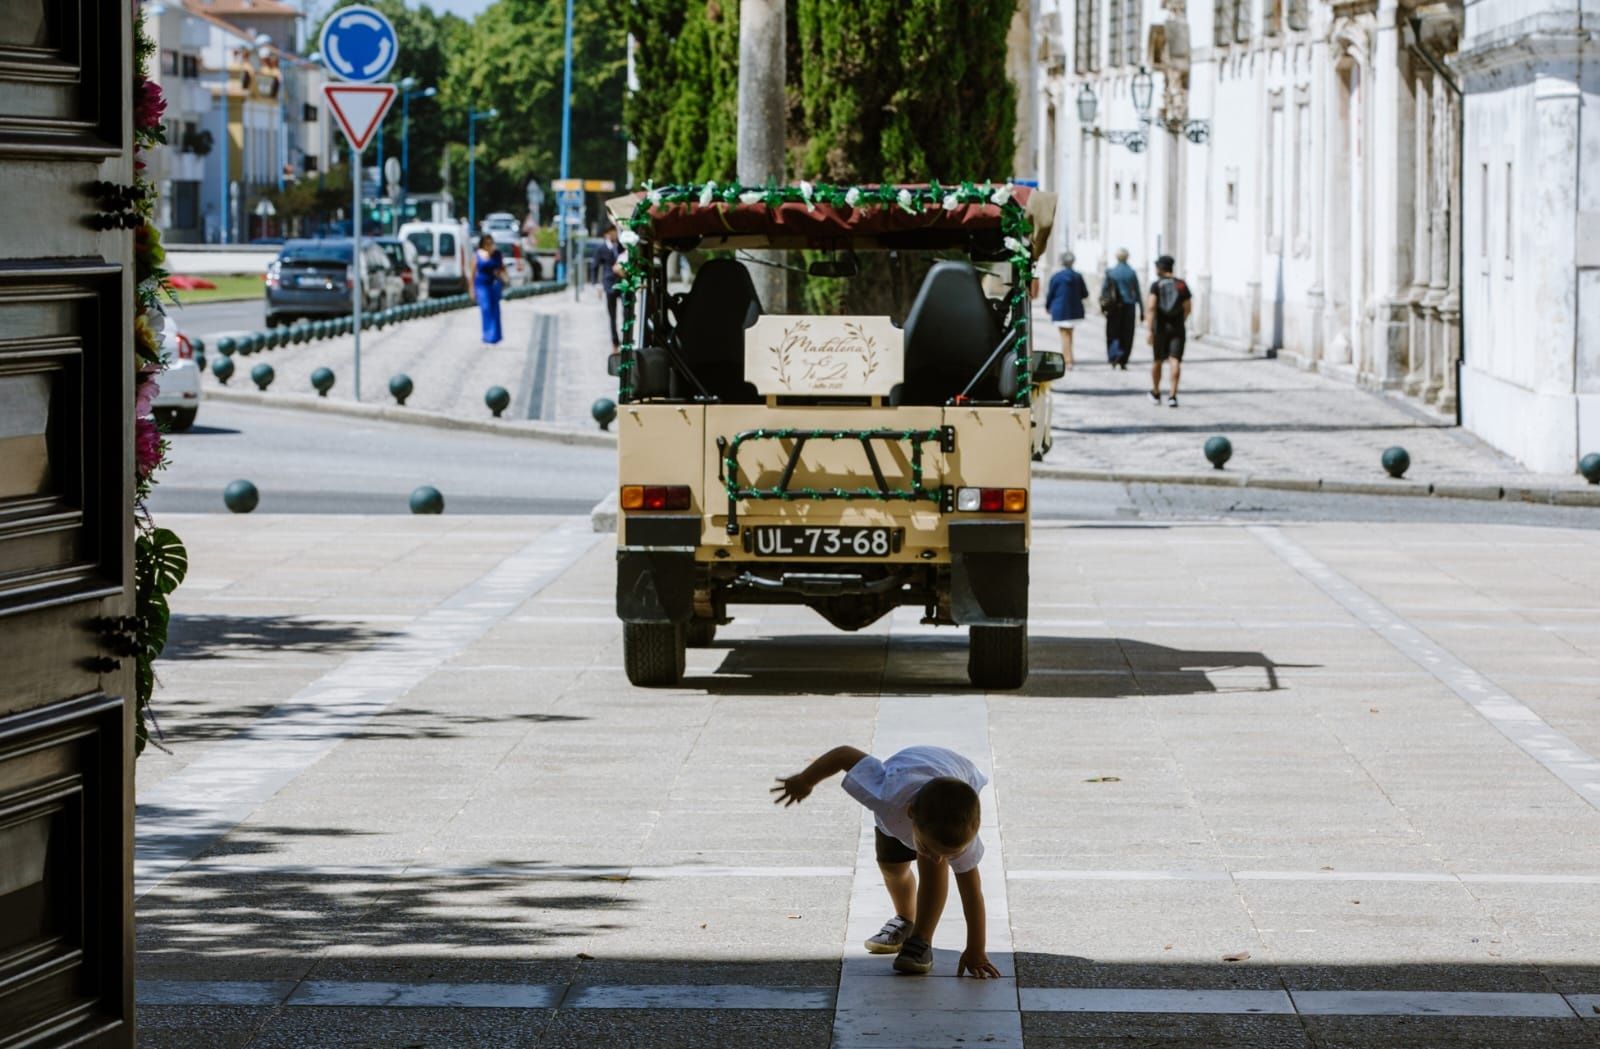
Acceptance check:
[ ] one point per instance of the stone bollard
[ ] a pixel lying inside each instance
(262, 375)
(604, 411)
(241, 497)
(498, 399)
(1589, 466)
(322, 381)
(400, 387)
(427, 500)
(1396, 460)
(1218, 451)
(222, 368)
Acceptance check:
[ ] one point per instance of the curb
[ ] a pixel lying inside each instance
(603, 518)
(1546, 494)
(525, 428)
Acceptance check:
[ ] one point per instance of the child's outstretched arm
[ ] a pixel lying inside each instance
(975, 959)
(796, 788)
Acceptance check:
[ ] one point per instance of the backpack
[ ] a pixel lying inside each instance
(1170, 296)
(1109, 299)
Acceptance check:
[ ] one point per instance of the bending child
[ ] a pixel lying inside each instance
(924, 802)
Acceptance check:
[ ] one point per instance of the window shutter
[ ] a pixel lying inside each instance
(1221, 23)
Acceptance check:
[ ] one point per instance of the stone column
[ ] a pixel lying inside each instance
(1417, 328)
(1439, 240)
(1450, 307)
(1391, 203)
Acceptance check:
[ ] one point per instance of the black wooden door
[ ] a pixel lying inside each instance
(66, 468)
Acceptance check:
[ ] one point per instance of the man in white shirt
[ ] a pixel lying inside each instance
(924, 802)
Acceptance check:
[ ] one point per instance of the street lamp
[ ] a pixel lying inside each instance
(1087, 104)
(1143, 90)
(472, 161)
(1135, 139)
(408, 91)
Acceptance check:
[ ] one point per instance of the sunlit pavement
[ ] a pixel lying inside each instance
(1299, 785)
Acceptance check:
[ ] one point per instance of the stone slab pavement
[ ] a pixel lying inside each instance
(1284, 423)
(552, 361)
(1293, 785)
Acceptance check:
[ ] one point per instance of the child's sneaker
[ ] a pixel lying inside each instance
(916, 956)
(888, 939)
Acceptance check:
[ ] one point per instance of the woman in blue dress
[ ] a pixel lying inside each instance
(490, 278)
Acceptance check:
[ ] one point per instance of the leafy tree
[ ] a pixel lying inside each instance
(511, 60)
(684, 117)
(427, 40)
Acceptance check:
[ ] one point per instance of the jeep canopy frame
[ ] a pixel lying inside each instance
(994, 222)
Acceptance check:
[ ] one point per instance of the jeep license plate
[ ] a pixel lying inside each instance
(807, 541)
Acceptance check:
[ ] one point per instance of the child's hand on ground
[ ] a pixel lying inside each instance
(976, 961)
(791, 790)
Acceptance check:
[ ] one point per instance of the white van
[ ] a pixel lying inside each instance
(445, 251)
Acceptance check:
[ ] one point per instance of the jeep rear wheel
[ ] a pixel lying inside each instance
(997, 656)
(652, 653)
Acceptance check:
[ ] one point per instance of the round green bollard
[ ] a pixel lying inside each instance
(200, 361)
(222, 368)
(498, 399)
(1218, 451)
(198, 345)
(1396, 460)
(427, 500)
(302, 332)
(246, 345)
(226, 345)
(604, 411)
(1589, 466)
(241, 497)
(262, 375)
(400, 386)
(322, 380)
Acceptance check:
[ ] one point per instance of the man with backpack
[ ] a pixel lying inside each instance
(1121, 303)
(1168, 312)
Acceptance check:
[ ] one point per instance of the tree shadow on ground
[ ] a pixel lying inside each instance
(191, 637)
(1236, 427)
(196, 721)
(1060, 667)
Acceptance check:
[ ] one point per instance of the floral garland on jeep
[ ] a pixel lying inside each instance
(159, 558)
(1015, 227)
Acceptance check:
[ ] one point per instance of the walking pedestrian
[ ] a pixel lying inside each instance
(1170, 303)
(1121, 303)
(1064, 299)
(608, 260)
(486, 286)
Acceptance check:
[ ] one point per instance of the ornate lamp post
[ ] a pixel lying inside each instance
(1134, 139)
(472, 162)
(1142, 89)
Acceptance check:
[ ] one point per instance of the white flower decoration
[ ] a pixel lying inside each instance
(806, 192)
(951, 202)
(707, 191)
(655, 196)
(852, 196)
(1016, 246)
(1001, 195)
(904, 199)
(750, 196)
(628, 237)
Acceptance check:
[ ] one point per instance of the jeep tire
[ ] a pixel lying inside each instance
(997, 656)
(652, 653)
(702, 631)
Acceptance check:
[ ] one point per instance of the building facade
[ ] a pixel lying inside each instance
(1340, 183)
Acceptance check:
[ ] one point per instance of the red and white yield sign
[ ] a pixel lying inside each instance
(360, 108)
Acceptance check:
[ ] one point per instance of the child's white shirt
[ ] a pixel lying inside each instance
(887, 788)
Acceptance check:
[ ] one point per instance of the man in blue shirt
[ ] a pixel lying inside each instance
(1064, 300)
(1123, 307)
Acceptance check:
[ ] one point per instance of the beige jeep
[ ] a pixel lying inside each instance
(851, 464)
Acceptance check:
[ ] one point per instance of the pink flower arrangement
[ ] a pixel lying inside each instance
(149, 105)
(144, 395)
(146, 447)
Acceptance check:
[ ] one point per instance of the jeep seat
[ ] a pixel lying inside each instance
(720, 305)
(950, 330)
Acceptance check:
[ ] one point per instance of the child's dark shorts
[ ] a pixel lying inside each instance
(891, 849)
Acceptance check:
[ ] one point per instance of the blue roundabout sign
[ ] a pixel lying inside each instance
(359, 44)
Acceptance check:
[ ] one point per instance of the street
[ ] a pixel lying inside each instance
(1268, 785)
(210, 319)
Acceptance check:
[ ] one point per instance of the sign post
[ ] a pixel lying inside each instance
(359, 45)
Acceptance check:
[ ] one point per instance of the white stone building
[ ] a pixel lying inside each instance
(1321, 216)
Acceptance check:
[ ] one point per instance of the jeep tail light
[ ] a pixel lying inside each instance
(185, 348)
(654, 497)
(992, 500)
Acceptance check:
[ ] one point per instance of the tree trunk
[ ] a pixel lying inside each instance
(761, 121)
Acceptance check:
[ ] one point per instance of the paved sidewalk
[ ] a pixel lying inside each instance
(1283, 422)
(1266, 787)
(552, 362)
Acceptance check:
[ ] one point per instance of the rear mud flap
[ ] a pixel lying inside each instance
(989, 589)
(655, 586)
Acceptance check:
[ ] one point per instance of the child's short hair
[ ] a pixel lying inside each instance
(946, 812)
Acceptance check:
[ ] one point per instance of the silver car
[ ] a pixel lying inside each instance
(313, 278)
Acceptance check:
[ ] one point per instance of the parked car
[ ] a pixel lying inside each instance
(443, 253)
(501, 222)
(403, 257)
(313, 278)
(178, 401)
